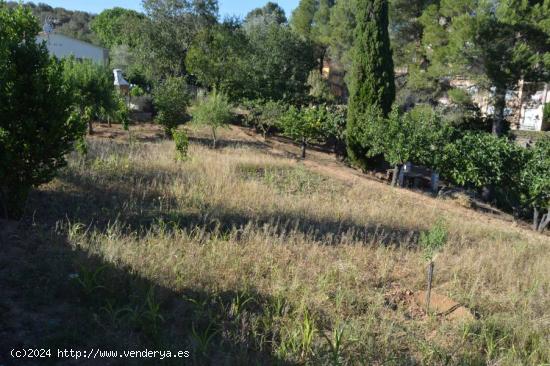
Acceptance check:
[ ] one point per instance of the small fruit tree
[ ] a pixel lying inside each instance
(213, 111)
(93, 90)
(37, 128)
(182, 144)
(304, 126)
(171, 99)
(431, 243)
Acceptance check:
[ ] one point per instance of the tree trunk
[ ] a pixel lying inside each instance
(430, 278)
(90, 128)
(395, 177)
(499, 105)
(4, 204)
(544, 222)
(304, 146)
(213, 137)
(535, 218)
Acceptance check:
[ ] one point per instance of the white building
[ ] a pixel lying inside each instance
(62, 46)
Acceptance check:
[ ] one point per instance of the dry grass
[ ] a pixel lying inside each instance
(258, 259)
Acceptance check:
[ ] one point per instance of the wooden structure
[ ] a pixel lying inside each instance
(415, 175)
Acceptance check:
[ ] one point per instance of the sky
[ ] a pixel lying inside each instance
(227, 7)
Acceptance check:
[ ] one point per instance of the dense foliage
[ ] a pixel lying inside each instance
(37, 128)
(217, 58)
(94, 93)
(417, 136)
(118, 26)
(278, 63)
(482, 160)
(170, 99)
(536, 180)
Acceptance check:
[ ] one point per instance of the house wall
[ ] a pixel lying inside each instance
(62, 46)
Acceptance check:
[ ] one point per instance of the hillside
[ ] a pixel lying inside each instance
(245, 255)
(75, 24)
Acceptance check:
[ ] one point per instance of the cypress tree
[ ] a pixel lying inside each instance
(372, 88)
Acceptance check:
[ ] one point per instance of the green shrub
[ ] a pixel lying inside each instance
(182, 144)
(417, 136)
(482, 160)
(460, 96)
(137, 91)
(213, 111)
(433, 240)
(37, 125)
(171, 100)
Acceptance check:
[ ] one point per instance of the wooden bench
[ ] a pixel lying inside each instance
(416, 174)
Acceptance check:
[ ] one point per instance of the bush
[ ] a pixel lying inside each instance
(137, 91)
(213, 111)
(37, 128)
(120, 112)
(417, 136)
(483, 160)
(170, 98)
(182, 144)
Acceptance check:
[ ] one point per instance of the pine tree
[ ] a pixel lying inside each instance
(372, 90)
(495, 44)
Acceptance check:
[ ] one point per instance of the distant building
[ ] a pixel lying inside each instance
(524, 104)
(62, 46)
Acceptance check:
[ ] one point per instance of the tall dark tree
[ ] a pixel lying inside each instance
(495, 44)
(372, 90)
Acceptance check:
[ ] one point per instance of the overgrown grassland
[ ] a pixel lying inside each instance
(246, 258)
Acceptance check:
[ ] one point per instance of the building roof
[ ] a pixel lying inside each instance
(44, 35)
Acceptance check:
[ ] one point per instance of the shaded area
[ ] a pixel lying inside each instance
(54, 296)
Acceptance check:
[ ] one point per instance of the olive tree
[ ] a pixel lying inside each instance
(213, 111)
(37, 126)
